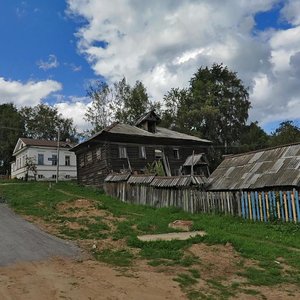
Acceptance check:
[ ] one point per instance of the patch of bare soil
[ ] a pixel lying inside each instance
(222, 263)
(64, 279)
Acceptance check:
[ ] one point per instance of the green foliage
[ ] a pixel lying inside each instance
(11, 128)
(98, 114)
(156, 168)
(42, 122)
(287, 132)
(120, 258)
(253, 137)
(117, 102)
(215, 106)
(185, 280)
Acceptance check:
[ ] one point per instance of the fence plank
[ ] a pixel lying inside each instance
(296, 195)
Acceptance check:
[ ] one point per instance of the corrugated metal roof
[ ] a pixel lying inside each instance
(141, 179)
(117, 177)
(178, 181)
(278, 166)
(199, 180)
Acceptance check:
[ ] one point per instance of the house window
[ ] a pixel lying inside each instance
(122, 152)
(40, 159)
(98, 153)
(158, 154)
(54, 159)
(176, 153)
(143, 152)
(67, 160)
(40, 176)
(67, 176)
(89, 157)
(81, 160)
(54, 176)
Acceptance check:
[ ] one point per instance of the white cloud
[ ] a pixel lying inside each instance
(75, 108)
(51, 63)
(163, 43)
(29, 93)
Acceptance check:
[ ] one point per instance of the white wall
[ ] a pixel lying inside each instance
(46, 171)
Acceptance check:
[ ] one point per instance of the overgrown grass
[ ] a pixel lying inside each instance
(264, 242)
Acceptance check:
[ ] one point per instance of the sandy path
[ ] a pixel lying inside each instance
(66, 279)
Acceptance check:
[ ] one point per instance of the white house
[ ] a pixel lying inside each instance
(43, 155)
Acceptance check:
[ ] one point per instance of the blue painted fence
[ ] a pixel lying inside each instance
(271, 205)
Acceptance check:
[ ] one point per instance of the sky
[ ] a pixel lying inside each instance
(51, 51)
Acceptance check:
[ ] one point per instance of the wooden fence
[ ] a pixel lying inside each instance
(254, 205)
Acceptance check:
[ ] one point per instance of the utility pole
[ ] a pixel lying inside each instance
(57, 162)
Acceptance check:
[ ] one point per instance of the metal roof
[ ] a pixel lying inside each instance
(45, 143)
(272, 167)
(117, 177)
(141, 179)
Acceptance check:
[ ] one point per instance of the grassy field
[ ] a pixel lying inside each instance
(272, 249)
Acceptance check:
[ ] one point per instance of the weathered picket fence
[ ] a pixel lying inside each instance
(271, 205)
(264, 206)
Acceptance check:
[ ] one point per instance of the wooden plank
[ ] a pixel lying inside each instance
(253, 206)
(281, 205)
(296, 195)
(260, 207)
(246, 205)
(285, 207)
(249, 206)
(257, 206)
(289, 206)
(267, 206)
(293, 207)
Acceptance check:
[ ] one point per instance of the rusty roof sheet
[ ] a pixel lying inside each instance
(117, 177)
(141, 179)
(274, 167)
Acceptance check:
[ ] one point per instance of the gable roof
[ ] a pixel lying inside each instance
(129, 130)
(273, 167)
(23, 142)
(148, 116)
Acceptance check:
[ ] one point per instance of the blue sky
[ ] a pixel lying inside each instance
(51, 50)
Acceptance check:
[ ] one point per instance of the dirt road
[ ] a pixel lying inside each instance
(22, 241)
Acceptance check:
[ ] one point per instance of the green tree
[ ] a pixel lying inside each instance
(98, 114)
(253, 137)
(118, 102)
(215, 106)
(42, 122)
(11, 128)
(287, 132)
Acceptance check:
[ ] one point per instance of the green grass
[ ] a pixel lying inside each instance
(185, 280)
(120, 258)
(263, 242)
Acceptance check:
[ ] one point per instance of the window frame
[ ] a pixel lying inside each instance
(67, 160)
(142, 152)
(43, 160)
(123, 152)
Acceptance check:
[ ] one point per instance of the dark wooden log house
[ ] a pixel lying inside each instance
(122, 147)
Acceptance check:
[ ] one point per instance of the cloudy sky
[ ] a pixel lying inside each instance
(50, 51)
